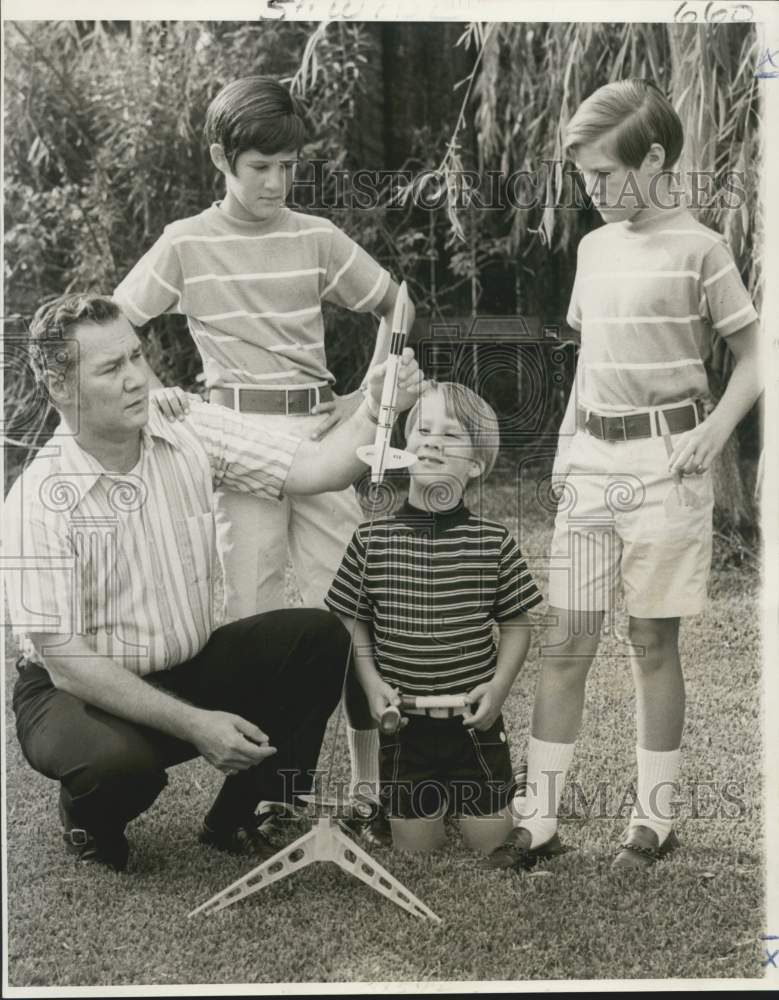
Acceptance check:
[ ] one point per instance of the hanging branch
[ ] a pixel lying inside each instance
(451, 165)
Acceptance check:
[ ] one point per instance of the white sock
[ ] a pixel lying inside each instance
(547, 766)
(658, 771)
(364, 757)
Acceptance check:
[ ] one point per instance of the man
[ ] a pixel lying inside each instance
(123, 674)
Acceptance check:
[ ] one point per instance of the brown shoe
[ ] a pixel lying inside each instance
(515, 852)
(641, 849)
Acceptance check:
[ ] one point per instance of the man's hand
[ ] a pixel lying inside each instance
(696, 449)
(172, 403)
(411, 382)
(489, 701)
(230, 743)
(338, 409)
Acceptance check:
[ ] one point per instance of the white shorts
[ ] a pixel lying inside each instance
(619, 521)
(256, 537)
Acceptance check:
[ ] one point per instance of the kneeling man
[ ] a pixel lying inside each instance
(112, 529)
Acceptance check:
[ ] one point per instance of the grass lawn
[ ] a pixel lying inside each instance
(698, 914)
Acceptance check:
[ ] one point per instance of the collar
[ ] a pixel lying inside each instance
(439, 520)
(74, 461)
(657, 221)
(230, 223)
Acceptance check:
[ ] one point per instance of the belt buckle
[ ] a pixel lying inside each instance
(611, 435)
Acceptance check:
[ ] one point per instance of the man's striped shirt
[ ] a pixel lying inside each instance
(647, 298)
(128, 560)
(432, 586)
(252, 292)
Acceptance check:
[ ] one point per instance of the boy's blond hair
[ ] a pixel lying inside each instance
(475, 415)
(637, 113)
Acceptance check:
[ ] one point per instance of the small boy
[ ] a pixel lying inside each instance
(422, 589)
(250, 275)
(651, 287)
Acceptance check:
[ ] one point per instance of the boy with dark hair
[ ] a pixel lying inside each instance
(423, 589)
(250, 275)
(652, 288)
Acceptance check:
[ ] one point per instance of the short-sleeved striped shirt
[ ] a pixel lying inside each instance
(434, 585)
(646, 299)
(252, 291)
(127, 560)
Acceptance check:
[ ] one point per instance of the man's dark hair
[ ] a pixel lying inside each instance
(52, 344)
(255, 112)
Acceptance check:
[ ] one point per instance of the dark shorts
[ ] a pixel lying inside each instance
(432, 765)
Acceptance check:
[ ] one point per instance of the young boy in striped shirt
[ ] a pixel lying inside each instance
(422, 589)
(250, 275)
(652, 287)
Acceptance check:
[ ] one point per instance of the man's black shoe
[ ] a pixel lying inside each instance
(241, 840)
(515, 852)
(112, 851)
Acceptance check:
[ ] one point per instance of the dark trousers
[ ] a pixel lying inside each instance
(282, 670)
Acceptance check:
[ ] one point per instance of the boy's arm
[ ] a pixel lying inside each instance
(697, 449)
(340, 407)
(377, 691)
(155, 285)
(515, 635)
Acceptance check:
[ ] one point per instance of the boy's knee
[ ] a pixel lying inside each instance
(570, 658)
(654, 642)
(575, 636)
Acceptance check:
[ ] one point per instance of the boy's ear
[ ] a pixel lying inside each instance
(655, 158)
(475, 469)
(218, 157)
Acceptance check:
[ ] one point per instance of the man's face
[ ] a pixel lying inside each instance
(442, 445)
(258, 187)
(113, 380)
(618, 192)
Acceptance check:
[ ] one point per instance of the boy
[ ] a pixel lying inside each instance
(250, 276)
(422, 589)
(651, 287)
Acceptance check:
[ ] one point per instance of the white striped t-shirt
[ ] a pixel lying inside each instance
(252, 291)
(647, 298)
(432, 585)
(127, 560)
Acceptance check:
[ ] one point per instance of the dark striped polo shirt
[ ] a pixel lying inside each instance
(434, 585)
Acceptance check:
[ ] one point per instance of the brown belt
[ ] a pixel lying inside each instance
(640, 425)
(288, 401)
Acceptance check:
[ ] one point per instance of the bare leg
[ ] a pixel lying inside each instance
(657, 674)
(418, 836)
(485, 833)
(568, 652)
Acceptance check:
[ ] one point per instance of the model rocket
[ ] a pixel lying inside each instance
(380, 455)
